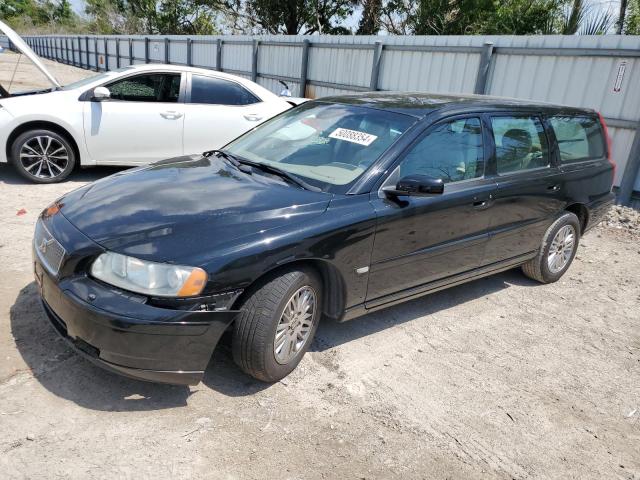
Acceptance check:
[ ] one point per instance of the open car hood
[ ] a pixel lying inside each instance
(27, 52)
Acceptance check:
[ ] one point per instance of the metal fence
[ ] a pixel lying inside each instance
(600, 72)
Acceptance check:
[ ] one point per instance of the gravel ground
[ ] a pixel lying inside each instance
(624, 220)
(499, 378)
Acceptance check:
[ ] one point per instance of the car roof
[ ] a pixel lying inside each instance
(421, 104)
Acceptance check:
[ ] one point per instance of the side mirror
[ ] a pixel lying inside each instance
(100, 94)
(416, 186)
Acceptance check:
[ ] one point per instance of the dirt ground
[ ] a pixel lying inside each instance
(499, 378)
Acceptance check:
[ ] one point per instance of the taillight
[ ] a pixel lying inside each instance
(605, 130)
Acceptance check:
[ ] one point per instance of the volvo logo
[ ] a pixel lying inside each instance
(44, 244)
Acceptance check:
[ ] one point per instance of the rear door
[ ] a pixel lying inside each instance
(531, 188)
(140, 123)
(422, 239)
(218, 110)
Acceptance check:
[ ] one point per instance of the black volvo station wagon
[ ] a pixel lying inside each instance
(335, 208)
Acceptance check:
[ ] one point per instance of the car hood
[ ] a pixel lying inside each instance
(21, 45)
(183, 209)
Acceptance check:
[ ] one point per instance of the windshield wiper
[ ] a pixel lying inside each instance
(227, 156)
(265, 167)
(239, 162)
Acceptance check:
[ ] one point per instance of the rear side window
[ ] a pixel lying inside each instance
(153, 87)
(452, 151)
(521, 143)
(215, 91)
(579, 138)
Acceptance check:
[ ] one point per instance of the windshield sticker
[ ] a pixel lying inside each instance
(353, 136)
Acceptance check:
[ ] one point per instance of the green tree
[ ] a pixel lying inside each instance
(295, 17)
(632, 23)
(370, 22)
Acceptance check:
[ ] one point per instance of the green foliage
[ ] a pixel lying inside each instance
(632, 25)
(293, 17)
(370, 21)
(50, 15)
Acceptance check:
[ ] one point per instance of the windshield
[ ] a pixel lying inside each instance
(328, 145)
(94, 78)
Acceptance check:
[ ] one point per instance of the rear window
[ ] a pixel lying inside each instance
(215, 91)
(579, 138)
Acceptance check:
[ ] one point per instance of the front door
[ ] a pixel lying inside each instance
(422, 239)
(140, 123)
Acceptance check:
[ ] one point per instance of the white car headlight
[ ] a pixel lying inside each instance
(148, 278)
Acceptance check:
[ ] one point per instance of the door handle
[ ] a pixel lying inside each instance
(252, 117)
(481, 204)
(171, 115)
(553, 188)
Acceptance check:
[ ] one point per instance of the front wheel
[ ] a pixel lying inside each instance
(43, 156)
(559, 246)
(278, 321)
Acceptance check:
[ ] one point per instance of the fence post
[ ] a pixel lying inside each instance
(304, 64)
(95, 52)
(630, 173)
(254, 63)
(146, 49)
(106, 55)
(483, 69)
(130, 51)
(219, 55)
(86, 47)
(167, 42)
(375, 66)
(189, 45)
(117, 52)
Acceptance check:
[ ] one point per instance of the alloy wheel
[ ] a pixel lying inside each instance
(44, 157)
(295, 325)
(561, 249)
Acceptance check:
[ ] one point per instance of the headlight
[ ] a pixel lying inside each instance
(149, 278)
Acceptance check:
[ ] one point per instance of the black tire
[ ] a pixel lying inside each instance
(52, 170)
(538, 267)
(254, 331)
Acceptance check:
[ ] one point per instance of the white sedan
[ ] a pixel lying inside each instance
(130, 116)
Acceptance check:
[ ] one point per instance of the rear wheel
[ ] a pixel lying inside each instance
(557, 251)
(43, 156)
(278, 321)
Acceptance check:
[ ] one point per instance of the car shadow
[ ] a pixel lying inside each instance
(9, 175)
(68, 375)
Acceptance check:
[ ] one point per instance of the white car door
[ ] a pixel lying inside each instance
(218, 110)
(142, 122)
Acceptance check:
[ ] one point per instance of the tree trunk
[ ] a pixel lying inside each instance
(621, 16)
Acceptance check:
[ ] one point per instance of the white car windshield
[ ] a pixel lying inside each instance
(328, 145)
(95, 78)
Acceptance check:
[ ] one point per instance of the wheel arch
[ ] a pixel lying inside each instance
(333, 284)
(582, 212)
(41, 124)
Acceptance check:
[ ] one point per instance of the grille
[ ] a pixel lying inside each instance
(49, 251)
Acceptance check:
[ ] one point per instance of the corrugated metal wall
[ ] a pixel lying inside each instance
(573, 70)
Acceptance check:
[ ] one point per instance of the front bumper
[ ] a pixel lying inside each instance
(118, 330)
(130, 338)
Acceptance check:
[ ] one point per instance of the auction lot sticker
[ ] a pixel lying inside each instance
(353, 136)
